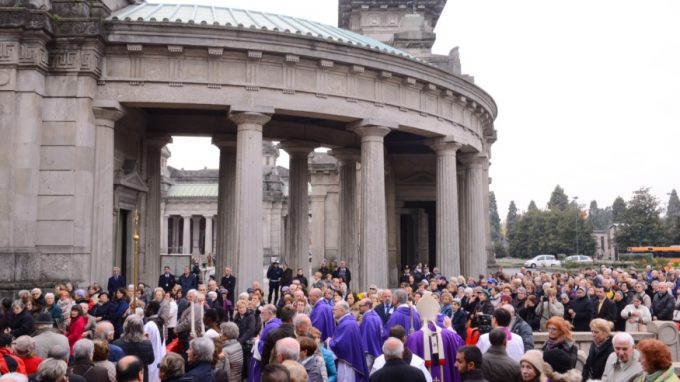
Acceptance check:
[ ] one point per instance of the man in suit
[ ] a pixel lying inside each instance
(166, 280)
(395, 368)
(604, 307)
(115, 281)
(385, 309)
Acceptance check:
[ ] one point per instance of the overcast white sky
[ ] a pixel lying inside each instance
(588, 92)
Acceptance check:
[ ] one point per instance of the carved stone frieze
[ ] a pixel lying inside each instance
(78, 27)
(71, 8)
(24, 18)
(76, 58)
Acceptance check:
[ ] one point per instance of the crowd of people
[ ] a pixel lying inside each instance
(431, 328)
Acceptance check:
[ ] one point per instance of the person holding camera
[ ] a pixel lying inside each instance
(549, 307)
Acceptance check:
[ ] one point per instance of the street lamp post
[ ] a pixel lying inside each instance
(578, 212)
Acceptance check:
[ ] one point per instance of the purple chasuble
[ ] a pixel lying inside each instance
(322, 319)
(254, 372)
(371, 333)
(452, 342)
(404, 316)
(348, 346)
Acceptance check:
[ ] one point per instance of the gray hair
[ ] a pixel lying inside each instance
(401, 296)
(14, 377)
(48, 295)
(18, 303)
(84, 348)
(623, 337)
(60, 352)
(288, 348)
(300, 319)
(133, 329)
(203, 348)
(393, 348)
(52, 369)
(24, 345)
(343, 305)
(229, 330)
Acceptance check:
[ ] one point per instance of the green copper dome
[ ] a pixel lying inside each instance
(245, 19)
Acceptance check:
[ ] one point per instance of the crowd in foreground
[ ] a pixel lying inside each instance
(432, 328)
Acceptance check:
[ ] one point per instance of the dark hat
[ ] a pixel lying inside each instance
(44, 319)
(250, 290)
(558, 359)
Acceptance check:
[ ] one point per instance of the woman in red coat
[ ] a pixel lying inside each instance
(77, 326)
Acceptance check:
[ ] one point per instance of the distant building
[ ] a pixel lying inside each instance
(605, 243)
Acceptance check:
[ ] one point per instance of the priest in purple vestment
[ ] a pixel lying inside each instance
(271, 322)
(404, 315)
(445, 361)
(322, 314)
(347, 346)
(371, 331)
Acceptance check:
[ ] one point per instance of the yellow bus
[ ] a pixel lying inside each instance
(671, 253)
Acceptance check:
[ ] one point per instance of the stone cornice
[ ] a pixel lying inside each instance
(285, 45)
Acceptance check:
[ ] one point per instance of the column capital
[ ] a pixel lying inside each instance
(158, 140)
(225, 141)
(107, 112)
(473, 160)
(346, 154)
(370, 131)
(443, 146)
(249, 120)
(296, 147)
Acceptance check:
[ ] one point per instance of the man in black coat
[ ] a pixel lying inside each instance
(229, 283)
(166, 280)
(342, 272)
(187, 280)
(274, 274)
(385, 309)
(396, 369)
(604, 307)
(662, 304)
(581, 311)
(459, 319)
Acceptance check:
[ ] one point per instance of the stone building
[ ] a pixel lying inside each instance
(91, 91)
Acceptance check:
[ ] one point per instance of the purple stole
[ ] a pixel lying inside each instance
(452, 342)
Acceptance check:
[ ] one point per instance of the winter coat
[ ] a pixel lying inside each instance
(662, 307)
(522, 329)
(597, 360)
(546, 310)
(636, 323)
(584, 309)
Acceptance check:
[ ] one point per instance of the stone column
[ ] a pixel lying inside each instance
(208, 235)
(106, 113)
(473, 249)
(196, 235)
(486, 182)
(225, 226)
(448, 236)
(298, 203)
(318, 205)
(373, 213)
(186, 234)
(175, 233)
(164, 235)
(248, 196)
(348, 242)
(152, 215)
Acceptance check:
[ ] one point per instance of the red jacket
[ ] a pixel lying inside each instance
(75, 330)
(8, 357)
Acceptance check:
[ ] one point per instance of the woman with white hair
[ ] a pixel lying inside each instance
(52, 370)
(52, 308)
(232, 351)
(200, 356)
(601, 348)
(24, 347)
(637, 315)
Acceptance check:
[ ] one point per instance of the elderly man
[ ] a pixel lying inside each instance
(371, 331)
(302, 325)
(322, 314)
(187, 280)
(186, 329)
(82, 364)
(385, 309)
(348, 346)
(200, 357)
(270, 322)
(404, 315)
(115, 281)
(288, 354)
(662, 304)
(46, 336)
(129, 369)
(105, 331)
(623, 365)
(520, 327)
(395, 368)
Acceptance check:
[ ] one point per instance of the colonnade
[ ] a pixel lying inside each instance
(188, 234)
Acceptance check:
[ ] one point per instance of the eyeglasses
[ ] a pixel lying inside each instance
(552, 329)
